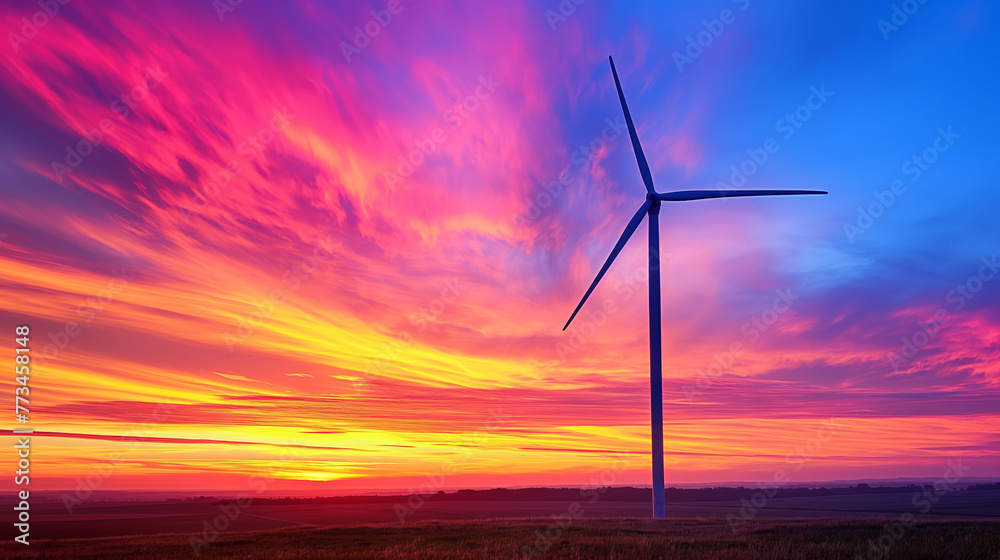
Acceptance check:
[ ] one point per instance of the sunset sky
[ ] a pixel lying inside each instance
(253, 239)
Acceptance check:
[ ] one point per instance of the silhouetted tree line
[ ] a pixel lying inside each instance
(622, 494)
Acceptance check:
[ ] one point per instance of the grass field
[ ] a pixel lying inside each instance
(620, 538)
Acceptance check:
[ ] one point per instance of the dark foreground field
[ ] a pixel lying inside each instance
(51, 519)
(621, 538)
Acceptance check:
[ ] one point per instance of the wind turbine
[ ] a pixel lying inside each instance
(652, 207)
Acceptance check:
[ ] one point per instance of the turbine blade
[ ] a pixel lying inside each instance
(629, 230)
(699, 195)
(647, 178)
